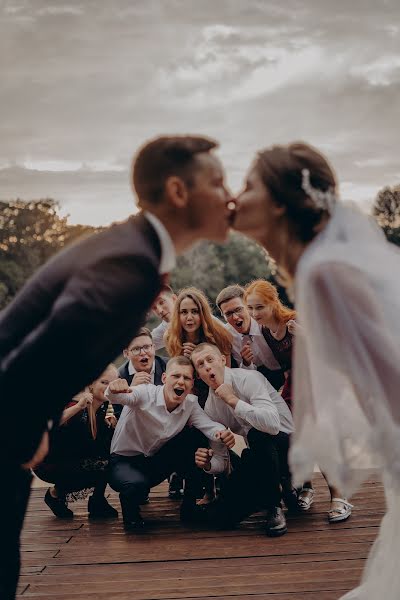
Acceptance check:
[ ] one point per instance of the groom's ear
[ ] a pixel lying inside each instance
(176, 192)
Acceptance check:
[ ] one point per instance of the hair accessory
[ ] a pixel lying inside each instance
(322, 200)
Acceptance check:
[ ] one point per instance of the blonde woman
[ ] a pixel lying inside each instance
(191, 324)
(79, 452)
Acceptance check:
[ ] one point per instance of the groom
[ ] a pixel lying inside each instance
(89, 301)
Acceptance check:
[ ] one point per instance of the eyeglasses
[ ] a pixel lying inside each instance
(137, 349)
(236, 311)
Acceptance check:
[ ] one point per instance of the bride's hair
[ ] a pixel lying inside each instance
(282, 169)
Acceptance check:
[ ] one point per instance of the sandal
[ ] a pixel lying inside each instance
(340, 513)
(305, 498)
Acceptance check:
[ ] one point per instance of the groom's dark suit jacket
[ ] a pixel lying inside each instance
(77, 311)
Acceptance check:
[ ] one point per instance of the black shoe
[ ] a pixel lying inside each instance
(175, 489)
(134, 523)
(290, 496)
(191, 513)
(58, 506)
(218, 516)
(99, 508)
(276, 522)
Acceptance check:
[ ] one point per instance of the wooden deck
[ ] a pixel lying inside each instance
(98, 561)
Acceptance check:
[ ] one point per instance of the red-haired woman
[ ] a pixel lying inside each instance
(278, 327)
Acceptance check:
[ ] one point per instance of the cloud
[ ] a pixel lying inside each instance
(382, 72)
(93, 197)
(82, 88)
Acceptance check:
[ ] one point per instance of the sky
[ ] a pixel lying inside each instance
(85, 83)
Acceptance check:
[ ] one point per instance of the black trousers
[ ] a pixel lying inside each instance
(13, 503)
(255, 481)
(70, 476)
(134, 476)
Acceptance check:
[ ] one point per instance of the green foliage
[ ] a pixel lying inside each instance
(30, 233)
(386, 211)
(212, 267)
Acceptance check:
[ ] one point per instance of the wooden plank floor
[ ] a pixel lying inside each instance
(98, 561)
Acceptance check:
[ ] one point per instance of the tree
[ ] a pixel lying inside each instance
(386, 210)
(212, 267)
(30, 233)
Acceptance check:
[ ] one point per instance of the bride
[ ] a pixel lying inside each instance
(345, 280)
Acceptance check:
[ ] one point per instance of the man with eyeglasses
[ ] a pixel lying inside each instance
(142, 366)
(249, 348)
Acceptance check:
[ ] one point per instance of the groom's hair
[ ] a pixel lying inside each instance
(165, 157)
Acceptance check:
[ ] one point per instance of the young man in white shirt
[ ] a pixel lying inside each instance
(151, 439)
(163, 307)
(249, 347)
(246, 402)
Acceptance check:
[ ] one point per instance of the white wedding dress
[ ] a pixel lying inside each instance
(347, 375)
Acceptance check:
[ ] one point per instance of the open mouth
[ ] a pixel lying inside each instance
(144, 360)
(212, 376)
(178, 391)
(239, 324)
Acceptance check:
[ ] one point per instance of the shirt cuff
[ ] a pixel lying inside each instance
(251, 366)
(242, 408)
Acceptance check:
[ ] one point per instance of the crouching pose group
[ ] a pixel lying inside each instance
(151, 420)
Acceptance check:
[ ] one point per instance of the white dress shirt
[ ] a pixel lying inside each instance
(132, 371)
(145, 424)
(168, 254)
(158, 335)
(262, 352)
(259, 407)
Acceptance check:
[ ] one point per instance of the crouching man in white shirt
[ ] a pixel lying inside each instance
(152, 439)
(247, 403)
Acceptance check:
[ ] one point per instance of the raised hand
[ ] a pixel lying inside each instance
(140, 378)
(188, 348)
(119, 386)
(111, 421)
(83, 399)
(247, 354)
(226, 436)
(225, 392)
(293, 327)
(203, 457)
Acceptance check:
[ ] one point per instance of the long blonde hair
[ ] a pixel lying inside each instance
(90, 410)
(210, 330)
(269, 294)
